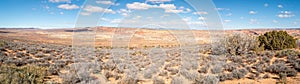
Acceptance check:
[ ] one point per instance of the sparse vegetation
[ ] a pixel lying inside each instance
(10, 74)
(239, 60)
(237, 44)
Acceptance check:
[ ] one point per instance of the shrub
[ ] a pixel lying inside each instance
(163, 73)
(222, 77)
(2, 43)
(236, 44)
(172, 71)
(230, 67)
(39, 55)
(158, 81)
(53, 69)
(276, 40)
(216, 69)
(281, 68)
(237, 59)
(282, 78)
(10, 74)
(268, 54)
(128, 80)
(177, 80)
(229, 76)
(291, 72)
(284, 53)
(239, 73)
(189, 75)
(296, 65)
(209, 79)
(266, 76)
(251, 76)
(298, 43)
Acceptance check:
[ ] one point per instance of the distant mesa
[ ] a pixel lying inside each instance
(78, 30)
(5, 32)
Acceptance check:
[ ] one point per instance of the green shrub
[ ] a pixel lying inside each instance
(10, 74)
(2, 43)
(276, 40)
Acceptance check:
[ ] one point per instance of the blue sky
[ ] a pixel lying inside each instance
(234, 14)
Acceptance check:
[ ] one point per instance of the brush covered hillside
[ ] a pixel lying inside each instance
(38, 56)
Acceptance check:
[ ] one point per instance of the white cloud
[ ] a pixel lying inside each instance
(226, 21)
(187, 19)
(221, 9)
(124, 12)
(58, 1)
(174, 11)
(196, 23)
(188, 10)
(115, 21)
(169, 8)
(275, 21)
(105, 2)
(285, 14)
(94, 9)
(200, 13)
(138, 6)
(105, 19)
(252, 12)
(61, 13)
(279, 6)
(266, 4)
(85, 13)
(47, 7)
(68, 6)
(138, 17)
(253, 21)
(229, 14)
(159, 1)
(201, 18)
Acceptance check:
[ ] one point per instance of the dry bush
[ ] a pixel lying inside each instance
(281, 68)
(208, 79)
(225, 76)
(158, 81)
(78, 73)
(230, 67)
(189, 75)
(128, 80)
(296, 65)
(217, 69)
(177, 80)
(10, 74)
(298, 43)
(239, 73)
(285, 53)
(236, 44)
(172, 71)
(39, 55)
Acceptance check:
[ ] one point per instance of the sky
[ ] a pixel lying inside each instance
(230, 14)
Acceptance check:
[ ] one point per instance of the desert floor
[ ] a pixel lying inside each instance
(143, 56)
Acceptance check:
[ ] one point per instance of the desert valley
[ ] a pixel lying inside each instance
(151, 57)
